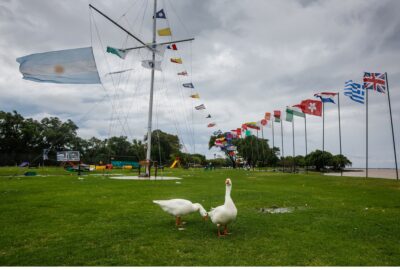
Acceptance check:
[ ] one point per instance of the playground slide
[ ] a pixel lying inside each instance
(174, 164)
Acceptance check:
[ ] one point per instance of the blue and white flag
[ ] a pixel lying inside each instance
(355, 91)
(161, 14)
(74, 66)
(188, 85)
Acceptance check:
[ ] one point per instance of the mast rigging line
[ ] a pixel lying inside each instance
(122, 28)
(172, 113)
(116, 103)
(86, 114)
(191, 73)
(185, 108)
(139, 80)
(127, 10)
(112, 79)
(152, 50)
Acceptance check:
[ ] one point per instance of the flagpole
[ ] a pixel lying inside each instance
(340, 132)
(262, 136)
(282, 154)
(305, 133)
(273, 140)
(366, 136)
(273, 136)
(148, 154)
(294, 154)
(258, 153)
(391, 122)
(323, 135)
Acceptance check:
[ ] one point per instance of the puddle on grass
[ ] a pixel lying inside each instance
(280, 210)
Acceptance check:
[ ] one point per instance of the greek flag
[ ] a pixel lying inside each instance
(355, 91)
(74, 66)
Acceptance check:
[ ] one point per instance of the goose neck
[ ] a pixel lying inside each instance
(228, 193)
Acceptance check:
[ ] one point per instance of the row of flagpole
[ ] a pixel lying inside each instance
(371, 81)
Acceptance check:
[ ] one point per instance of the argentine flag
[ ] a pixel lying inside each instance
(74, 66)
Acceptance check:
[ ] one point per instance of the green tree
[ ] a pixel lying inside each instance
(95, 150)
(253, 150)
(340, 162)
(24, 140)
(319, 159)
(300, 161)
(188, 160)
(57, 134)
(164, 146)
(119, 147)
(138, 149)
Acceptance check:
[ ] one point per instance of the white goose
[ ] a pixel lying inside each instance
(224, 214)
(181, 207)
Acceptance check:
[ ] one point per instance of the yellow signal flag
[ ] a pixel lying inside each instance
(164, 32)
(195, 96)
(176, 60)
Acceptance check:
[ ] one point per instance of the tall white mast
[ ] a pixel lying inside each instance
(152, 47)
(149, 122)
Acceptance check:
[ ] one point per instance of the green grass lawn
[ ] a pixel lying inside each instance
(61, 219)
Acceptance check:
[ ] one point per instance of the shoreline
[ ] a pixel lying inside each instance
(372, 173)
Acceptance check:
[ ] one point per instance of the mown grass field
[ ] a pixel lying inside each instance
(61, 219)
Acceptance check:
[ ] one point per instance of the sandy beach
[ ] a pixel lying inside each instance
(372, 173)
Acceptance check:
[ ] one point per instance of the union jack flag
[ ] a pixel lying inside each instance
(375, 81)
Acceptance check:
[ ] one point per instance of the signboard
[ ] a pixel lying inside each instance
(68, 156)
(46, 154)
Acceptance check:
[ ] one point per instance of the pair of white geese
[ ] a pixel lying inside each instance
(221, 215)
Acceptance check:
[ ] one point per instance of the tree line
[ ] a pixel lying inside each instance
(24, 139)
(256, 152)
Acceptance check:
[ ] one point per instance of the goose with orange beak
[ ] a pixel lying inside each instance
(181, 207)
(224, 214)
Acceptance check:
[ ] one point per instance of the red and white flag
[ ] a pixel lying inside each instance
(310, 106)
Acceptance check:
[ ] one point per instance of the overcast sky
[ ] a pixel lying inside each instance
(248, 57)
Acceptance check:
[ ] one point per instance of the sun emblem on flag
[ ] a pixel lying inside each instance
(58, 69)
(312, 107)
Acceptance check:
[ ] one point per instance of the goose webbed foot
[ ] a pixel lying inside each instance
(219, 232)
(178, 222)
(226, 230)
